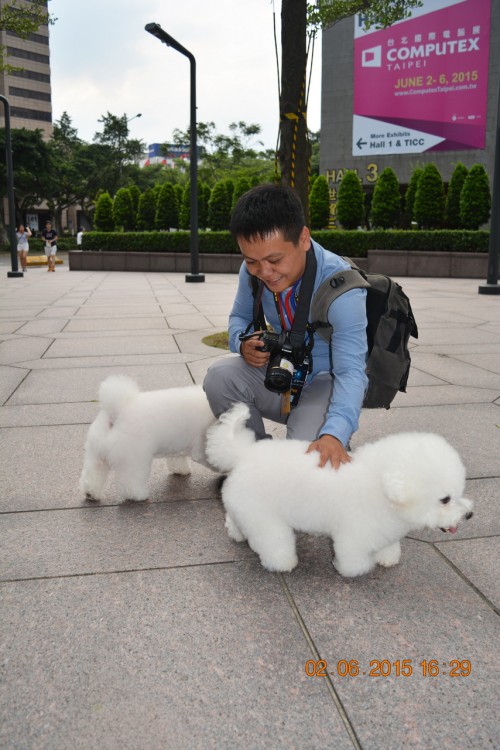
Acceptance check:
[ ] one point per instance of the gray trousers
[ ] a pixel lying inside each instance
(230, 380)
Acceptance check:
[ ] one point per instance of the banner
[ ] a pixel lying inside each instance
(422, 84)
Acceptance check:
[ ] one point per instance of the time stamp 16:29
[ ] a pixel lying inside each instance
(386, 668)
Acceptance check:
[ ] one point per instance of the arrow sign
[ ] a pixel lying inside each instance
(361, 143)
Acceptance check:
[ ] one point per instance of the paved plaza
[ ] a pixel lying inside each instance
(144, 627)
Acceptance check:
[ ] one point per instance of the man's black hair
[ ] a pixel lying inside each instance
(267, 209)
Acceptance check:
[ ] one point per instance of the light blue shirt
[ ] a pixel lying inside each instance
(344, 356)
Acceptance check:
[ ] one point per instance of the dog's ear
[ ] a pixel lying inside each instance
(395, 487)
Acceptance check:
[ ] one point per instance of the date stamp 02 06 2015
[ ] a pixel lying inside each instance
(386, 668)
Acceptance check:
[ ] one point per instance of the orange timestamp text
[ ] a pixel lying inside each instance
(386, 668)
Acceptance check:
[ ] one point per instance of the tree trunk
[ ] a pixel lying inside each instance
(294, 150)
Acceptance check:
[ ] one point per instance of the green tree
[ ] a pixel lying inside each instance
(179, 193)
(103, 215)
(453, 220)
(135, 194)
(350, 201)
(219, 210)
(120, 150)
(204, 194)
(386, 202)
(123, 210)
(319, 202)
(475, 198)
(429, 206)
(166, 208)
(410, 194)
(31, 159)
(241, 187)
(146, 212)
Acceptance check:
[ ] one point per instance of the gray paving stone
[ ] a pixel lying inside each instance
(114, 360)
(34, 415)
(452, 370)
(81, 383)
(471, 428)
(41, 327)
(479, 561)
(123, 344)
(117, 324)
(171, 658)
(21, 348)
(419, 610)
(10, 379)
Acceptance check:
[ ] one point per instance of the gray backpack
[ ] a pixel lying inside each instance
(390, 325)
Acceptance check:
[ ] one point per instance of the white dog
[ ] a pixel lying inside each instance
(401, 483)
(132, 428)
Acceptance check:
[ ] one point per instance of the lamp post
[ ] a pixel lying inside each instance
(10, 194)
(156, 30)
(491, 286)
(125, 121)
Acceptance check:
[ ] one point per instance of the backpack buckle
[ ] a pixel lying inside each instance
(337, 282)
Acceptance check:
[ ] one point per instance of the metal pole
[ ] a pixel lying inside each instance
(156, 30)
(491, 286)
(15, 273)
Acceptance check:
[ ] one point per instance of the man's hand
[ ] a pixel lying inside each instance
(251, 351)
(330, 449)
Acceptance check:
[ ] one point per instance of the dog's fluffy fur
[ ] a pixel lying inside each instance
(401, 483)
(132, 428)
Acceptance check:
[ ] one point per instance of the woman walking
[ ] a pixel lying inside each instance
(23, 249)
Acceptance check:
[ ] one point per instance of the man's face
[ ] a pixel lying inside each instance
(278, 263)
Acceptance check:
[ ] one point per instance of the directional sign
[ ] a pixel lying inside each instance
(422, 84)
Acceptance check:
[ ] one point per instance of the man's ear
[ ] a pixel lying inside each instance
(395, 488)
(305, 238)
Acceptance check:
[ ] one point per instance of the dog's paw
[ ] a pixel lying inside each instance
(352, 568)
(389, 556)
(279, 564)
(233, 531)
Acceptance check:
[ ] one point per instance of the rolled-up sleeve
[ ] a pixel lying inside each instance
(347, 316)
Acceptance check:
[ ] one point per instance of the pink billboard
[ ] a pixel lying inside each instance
(422, 84)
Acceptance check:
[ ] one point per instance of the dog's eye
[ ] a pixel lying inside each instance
(445, 500)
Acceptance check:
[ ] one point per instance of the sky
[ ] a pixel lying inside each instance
(102, 60)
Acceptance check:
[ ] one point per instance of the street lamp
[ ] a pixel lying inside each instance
(156, 30)
(133, 118)
(10, 193)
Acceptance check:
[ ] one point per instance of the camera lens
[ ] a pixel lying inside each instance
(279, 374)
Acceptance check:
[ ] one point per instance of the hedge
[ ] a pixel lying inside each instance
(354, 244)
(36, 245)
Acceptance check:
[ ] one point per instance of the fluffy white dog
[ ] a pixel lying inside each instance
(401, 483)
(132, 428)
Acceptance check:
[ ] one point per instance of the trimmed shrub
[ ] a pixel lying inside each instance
(241, 187)
(319, 203)
(411, 191)
(166, 216)
(386, 201)
(123, 210)
(146, 211)
(453, 220)
(354, 244)
(136, 194)
(103, 214)
(219, 207)
(475, 198)
(350, 201)
(428, 209)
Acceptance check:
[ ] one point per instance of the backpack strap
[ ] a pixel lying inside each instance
(328, 291)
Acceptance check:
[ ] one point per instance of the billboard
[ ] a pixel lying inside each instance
(422, 84)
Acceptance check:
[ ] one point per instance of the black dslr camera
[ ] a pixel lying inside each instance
(285, 362)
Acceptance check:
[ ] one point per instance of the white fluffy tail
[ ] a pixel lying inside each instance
(115, 392)
(229, 439)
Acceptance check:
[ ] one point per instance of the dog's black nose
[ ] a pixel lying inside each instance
(468, 515)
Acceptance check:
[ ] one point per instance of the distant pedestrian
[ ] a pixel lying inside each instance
(79, 237)
(23, 234)
(50, 239)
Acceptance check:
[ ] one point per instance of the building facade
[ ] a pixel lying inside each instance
(28, 89)
(338, 107)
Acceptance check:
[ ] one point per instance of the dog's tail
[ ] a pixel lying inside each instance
(115, 392)
(229, 439)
